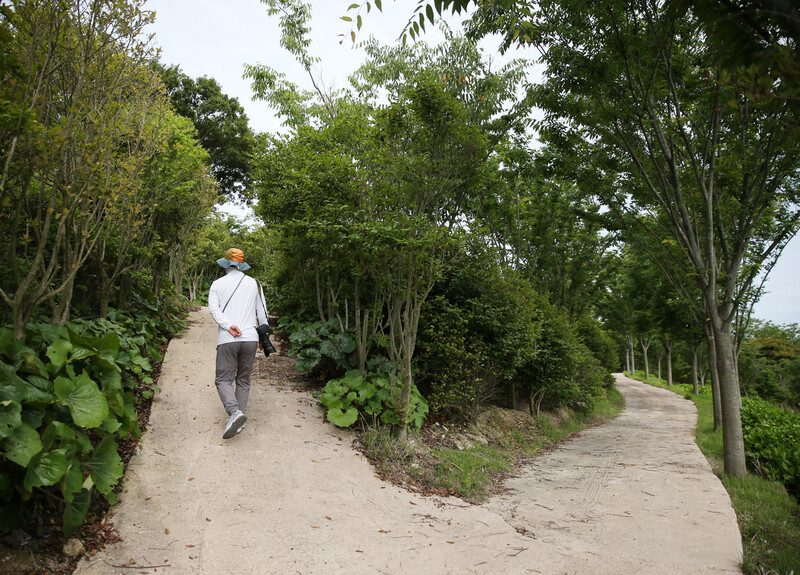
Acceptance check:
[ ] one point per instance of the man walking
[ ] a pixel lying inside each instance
(237, 304)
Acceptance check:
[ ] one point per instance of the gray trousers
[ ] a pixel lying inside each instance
(234, 363)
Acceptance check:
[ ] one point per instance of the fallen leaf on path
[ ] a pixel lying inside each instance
(382, 531)
(328, 518)
(191, 479)
(207, 519)
(315, 527)
(166, 531)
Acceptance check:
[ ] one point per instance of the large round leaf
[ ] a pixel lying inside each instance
(22, 444)
(75, 511)
(75, 441)
(46, 469)
(86, 402)
(343, 418)
(308, 359)
(105, 465)
(58, 351)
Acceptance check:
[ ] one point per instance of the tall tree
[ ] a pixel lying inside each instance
(668, 138)
(80, 91)
(221, 124)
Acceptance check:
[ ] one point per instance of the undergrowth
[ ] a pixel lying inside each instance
(471, 461)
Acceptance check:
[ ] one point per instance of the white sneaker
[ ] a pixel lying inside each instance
(234, 424)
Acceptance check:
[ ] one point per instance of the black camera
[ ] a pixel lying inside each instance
(263, 337)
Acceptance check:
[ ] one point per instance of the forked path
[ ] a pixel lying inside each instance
(290, 495)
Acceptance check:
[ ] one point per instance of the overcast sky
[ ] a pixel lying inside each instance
(216, 38)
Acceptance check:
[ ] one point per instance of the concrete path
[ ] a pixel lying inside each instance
(290, 494)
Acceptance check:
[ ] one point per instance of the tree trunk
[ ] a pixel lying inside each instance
(693, 346)
(644, 341)
(730, 401)
(666, 343)
(660, 357)
(669, 366)
(714, 373)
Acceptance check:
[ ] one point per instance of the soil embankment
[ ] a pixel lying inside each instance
(291, 495)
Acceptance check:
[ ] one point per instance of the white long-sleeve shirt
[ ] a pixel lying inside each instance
(246, 310)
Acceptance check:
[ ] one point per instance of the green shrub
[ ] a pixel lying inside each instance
(66, 395)
(369, 397)
(451, 365)
(320, 344)
(772, 442)
(600, 343)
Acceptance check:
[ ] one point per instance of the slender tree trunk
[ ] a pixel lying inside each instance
(666, 343)
(669, 365)
(714, 373)
(660, 357)
(693, 346)
(644, 341)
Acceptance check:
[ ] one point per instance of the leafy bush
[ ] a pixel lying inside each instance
(369, 397)
(563, 371)
(600, 343)
(772, 441)
(451, 365)
(318, 343)
(66, 395)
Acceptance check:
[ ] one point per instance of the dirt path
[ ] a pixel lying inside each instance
(290, 494)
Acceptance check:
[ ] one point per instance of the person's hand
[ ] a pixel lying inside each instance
(260, 347)
(235, 331)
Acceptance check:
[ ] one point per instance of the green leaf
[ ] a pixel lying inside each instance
(58, 351)
(86, 402)
(347, 18)
(343, 418)
(46, 469)
(30, 363)
(75, 441)
(80, 352)
(308, 359)
(107, 351)
(10, 418)
(111, 424)
(75, 512)
(22, 445)
(105, 465)
(72, 482)
(41, 383)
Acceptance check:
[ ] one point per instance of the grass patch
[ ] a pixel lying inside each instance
(769, 518)
(472, 461)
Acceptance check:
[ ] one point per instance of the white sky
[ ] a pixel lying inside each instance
(216, 38)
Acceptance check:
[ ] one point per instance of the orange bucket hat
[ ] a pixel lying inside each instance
(234, 258)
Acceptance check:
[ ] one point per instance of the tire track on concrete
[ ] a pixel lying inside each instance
(634, 495)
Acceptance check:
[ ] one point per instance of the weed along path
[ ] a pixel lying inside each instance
(290, 494)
